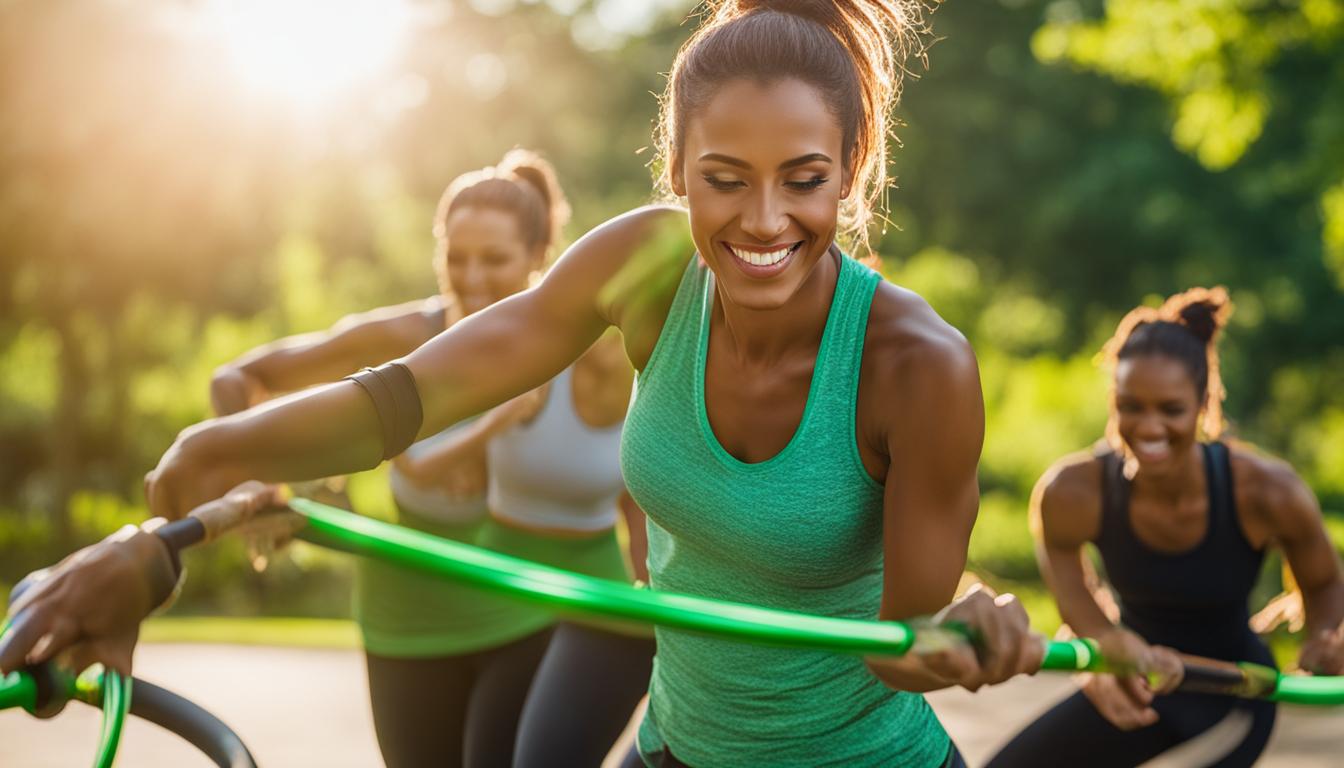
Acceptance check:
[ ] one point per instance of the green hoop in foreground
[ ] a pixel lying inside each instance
(565, 591)
(570, 592)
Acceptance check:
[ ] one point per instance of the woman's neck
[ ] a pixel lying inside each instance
(763, 336)
(1185, 478)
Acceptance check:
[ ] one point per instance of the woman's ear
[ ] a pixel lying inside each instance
(439, 262)
(847, 179)
(676, 174)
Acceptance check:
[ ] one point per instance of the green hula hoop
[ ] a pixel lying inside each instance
(573, 593)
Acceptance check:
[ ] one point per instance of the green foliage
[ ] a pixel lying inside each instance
(28, 375)
(1332, 211)
(1208, 56)
(1001, 544)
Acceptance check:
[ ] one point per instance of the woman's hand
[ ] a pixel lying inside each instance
(233, 390)
(1323, 652)
(1005, 647)
(90, 605)
(188, 475)
(1126, 700)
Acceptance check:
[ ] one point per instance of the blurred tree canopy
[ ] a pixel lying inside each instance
(1059, 163)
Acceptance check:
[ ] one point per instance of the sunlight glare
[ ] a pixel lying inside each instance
(308, 51)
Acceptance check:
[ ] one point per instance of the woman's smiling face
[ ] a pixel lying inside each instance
(1156, 410)
(761, 169)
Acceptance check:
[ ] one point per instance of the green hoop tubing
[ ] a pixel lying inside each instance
(570, 592)
(107, 689)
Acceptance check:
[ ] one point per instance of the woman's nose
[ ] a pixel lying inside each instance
(765, 217)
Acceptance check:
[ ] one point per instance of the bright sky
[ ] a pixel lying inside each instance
(306, 52)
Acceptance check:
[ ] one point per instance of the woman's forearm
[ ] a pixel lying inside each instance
(325, 431)
(1324, 606)
(329, 430)
(900, 674)
(1082, 613)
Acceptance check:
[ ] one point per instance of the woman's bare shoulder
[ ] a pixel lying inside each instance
(907, 338)
(1066, 503)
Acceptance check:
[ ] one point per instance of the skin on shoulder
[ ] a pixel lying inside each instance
(1066, 502)
(921, 429)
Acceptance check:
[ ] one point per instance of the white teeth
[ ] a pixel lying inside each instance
(761, 259)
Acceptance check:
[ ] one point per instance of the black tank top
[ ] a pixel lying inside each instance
(1194, 601)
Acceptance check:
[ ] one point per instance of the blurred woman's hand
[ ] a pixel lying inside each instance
(89, 606)
(1323, 652)
(188, 475)
(232, 390)
(1126, 700)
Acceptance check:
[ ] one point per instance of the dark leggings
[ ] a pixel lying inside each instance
(1074, 733)
(472, 710)
(452, 710)
(582, 697)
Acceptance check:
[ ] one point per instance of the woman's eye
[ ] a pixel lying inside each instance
(1174, 410)
(723, 184)
(806, 186)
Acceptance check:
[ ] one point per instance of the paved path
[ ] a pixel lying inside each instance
(314, 713)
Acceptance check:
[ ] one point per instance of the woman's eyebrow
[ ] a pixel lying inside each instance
(804, 160)
(725, 159)
(787, 164)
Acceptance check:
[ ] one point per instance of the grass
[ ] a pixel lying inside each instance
(303, 633)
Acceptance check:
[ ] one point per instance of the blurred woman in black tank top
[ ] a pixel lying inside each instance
(1181, 522)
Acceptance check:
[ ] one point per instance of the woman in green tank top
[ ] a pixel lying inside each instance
(805, 435)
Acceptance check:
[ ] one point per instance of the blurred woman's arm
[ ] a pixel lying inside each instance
(298, 362)
(1065, 515)
(1295, 523)
(514, 346)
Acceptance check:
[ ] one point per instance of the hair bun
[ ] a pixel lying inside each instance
(534, 170)
(1204, 311)
(808, 9)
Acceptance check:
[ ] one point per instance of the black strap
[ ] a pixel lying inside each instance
(1222, 499)
(1114, 492)
(396, 398)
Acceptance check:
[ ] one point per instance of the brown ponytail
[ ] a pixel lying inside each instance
(1185, 328)
(852, 51)
(523, 184)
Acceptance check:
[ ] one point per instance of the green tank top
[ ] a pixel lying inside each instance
(801, 531)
